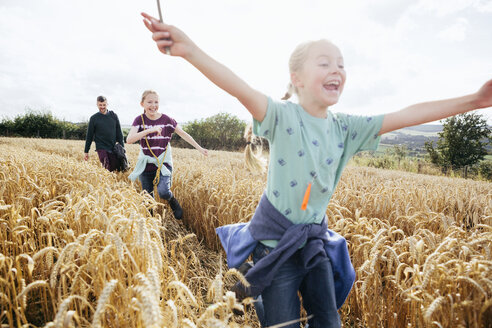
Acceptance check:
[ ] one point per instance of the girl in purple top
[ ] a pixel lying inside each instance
(154, 130)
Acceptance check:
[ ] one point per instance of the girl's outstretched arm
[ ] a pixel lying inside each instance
(436, 110)
(189, 139)
(181, 45)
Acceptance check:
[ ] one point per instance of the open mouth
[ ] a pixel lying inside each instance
(332, 85)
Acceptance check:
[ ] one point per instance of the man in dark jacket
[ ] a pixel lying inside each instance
(104, 128)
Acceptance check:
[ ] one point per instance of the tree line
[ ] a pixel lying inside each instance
(37, 124)
(461, 146)
(219, 132)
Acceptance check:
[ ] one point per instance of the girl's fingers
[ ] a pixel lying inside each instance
(148, 24)
(153, 24)
(161, 44)
(145, 15)
(160, 35)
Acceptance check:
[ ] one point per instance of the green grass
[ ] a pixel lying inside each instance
(382, 148)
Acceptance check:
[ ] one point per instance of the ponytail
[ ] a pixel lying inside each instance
(255, 162)
(290, 91)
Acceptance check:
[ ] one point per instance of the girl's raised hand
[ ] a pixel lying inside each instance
(484, 95)
(157, 129)
(168, 36)
(181, 45)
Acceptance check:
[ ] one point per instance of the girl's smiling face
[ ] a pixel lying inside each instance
(321, 79)
(150, 104)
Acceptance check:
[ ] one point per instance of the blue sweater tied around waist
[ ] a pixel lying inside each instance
(240, 239)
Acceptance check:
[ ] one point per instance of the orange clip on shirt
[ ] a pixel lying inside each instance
(306, 197)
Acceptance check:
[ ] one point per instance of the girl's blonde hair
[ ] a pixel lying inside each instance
(256, 162)
(146, 93)
(296, 60)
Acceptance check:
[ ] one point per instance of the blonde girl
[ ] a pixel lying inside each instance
(154, 166)
(309, 146)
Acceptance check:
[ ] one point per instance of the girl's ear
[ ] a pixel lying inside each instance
(296, 81)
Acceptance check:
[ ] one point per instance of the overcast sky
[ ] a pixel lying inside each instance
(59, 55)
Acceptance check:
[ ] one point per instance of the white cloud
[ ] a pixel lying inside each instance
(62, 54)
(484, 6)
(455, 32)
(446, 7)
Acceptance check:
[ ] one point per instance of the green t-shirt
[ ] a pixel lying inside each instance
(304, 149)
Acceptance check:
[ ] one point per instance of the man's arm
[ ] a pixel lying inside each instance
(89, 138)
(119, 133)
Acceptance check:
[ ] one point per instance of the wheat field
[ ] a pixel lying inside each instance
(80, 247)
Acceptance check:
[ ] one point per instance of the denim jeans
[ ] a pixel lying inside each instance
(163, 187)
(280, 302)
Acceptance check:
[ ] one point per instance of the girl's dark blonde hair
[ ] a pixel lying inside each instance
(146, 93)
(255, 161)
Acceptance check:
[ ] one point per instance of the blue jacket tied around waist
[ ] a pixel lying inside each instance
(239, 240)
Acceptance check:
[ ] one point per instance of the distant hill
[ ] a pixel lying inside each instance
(413, 137)
(427, 128)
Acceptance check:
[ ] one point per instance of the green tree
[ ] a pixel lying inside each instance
(41, 124)
(400, 152)
(485, 169)
(6, 127)
(462, 142)
(223, 131)
(37, 124)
